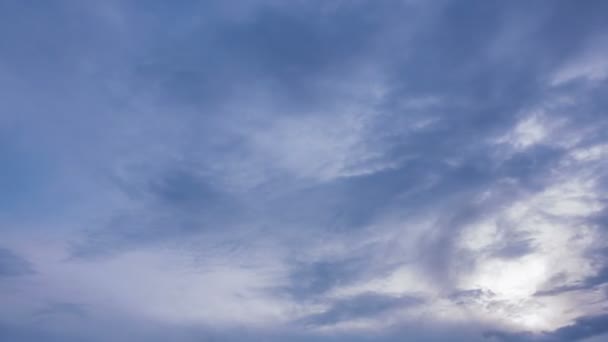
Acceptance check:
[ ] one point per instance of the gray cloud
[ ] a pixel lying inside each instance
(582, 328)
(12, 265)
(261, 158)
(364, 306)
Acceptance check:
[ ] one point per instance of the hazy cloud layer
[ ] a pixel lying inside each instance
(303, 171)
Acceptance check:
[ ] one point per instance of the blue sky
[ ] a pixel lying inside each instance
(319, 171)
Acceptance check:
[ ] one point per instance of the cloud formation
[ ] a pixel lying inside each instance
(303, 171)
(13, 265)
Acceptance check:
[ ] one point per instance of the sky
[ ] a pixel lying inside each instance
(308, 171)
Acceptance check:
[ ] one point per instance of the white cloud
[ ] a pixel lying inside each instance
(591, 65)
(530, 130)
(551, 219)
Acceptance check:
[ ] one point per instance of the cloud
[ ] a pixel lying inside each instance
(313, 171)
(582, 328)
(364, 306)
(12, 265)
(592, 281)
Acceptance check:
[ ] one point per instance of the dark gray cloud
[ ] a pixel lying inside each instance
(364, 306)
(469, 296)
(317, 278)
